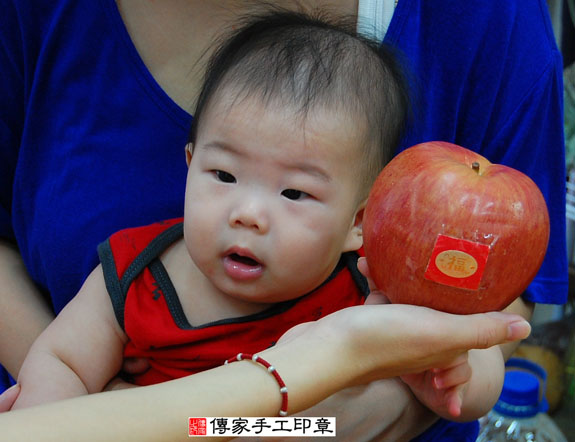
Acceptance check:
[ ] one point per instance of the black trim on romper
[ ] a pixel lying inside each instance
(161, 276)
(149, 257)
(360, 280)
(118, 288)
(111, 279)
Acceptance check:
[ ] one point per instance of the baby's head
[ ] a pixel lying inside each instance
(303, 64)
(294, 122)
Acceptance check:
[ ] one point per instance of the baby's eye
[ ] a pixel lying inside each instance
(224, 177)
(292, 194)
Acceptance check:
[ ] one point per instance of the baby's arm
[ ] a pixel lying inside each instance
(78, 353)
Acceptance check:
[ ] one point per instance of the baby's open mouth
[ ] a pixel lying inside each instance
(242, 265)
(244, 260)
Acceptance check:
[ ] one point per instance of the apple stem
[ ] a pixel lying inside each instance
(475, 166)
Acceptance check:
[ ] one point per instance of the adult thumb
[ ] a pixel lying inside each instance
(485, 330)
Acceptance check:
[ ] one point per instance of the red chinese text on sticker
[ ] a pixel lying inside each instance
(457, 262)
(197, 426)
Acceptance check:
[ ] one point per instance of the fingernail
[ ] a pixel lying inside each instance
(518, 330)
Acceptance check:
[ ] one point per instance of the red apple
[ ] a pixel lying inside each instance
(444, 228)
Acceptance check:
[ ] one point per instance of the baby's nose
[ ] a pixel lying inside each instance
(250, 214)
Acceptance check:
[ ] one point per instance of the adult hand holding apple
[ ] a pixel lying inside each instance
(445, 228)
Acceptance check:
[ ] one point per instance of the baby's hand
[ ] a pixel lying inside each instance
(442, 389)
(8, 397)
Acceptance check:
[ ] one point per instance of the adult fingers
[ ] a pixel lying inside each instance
(405, 339)
(430, 331)
(450, 335)
(485, 330)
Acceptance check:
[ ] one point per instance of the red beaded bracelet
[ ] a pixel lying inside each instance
(271, 369)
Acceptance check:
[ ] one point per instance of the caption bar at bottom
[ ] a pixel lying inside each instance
(262, 426)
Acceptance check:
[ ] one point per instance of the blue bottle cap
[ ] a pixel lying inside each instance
(522, 395)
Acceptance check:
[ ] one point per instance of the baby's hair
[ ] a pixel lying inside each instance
(310, 62)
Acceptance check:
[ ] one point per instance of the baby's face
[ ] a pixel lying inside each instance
(271, 201)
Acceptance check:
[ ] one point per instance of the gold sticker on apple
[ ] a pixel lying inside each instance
(457, 262)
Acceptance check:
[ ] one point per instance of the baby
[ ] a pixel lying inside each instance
(295, 120)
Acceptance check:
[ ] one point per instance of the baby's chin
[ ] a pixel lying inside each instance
(261, 294)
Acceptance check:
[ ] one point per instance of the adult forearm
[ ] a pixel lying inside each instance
(242, 388)
(385, 410)
(351, 347)
(24, 314)
(160, 412)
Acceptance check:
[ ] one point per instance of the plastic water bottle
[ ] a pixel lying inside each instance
(519, 414)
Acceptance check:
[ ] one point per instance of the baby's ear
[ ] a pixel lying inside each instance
(189, 150)
(354, 239)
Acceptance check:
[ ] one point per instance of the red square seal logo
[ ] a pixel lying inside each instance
(197, 426)
(457, 262)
